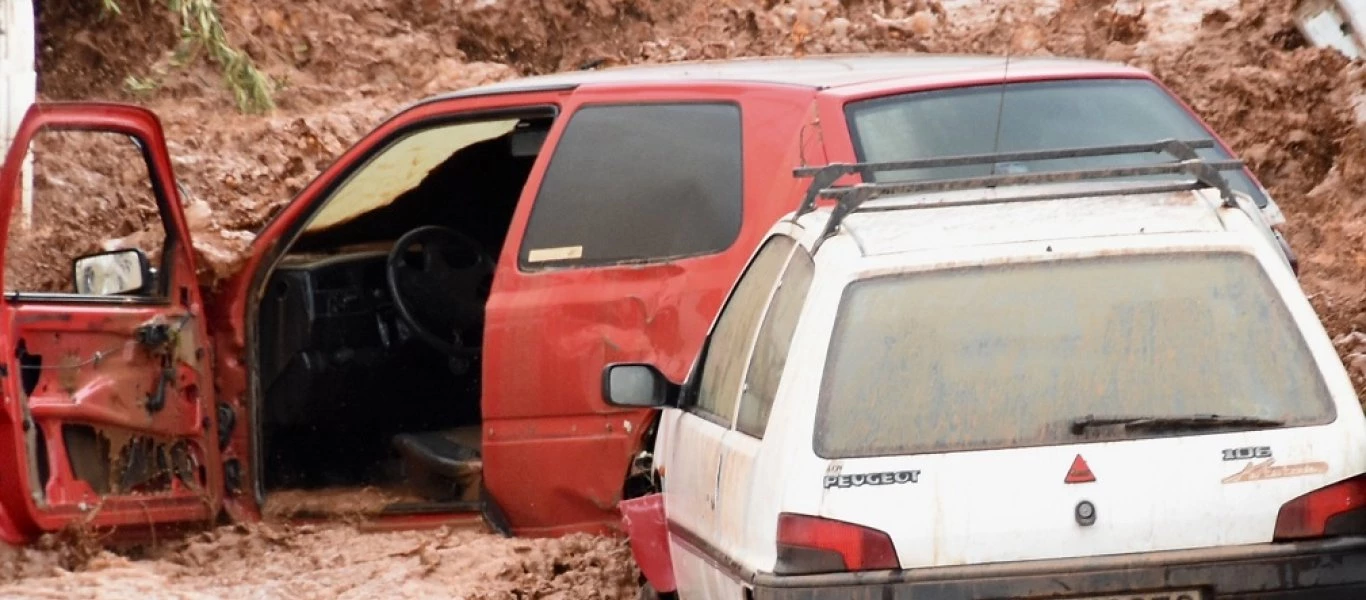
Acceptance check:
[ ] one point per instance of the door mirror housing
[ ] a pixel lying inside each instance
(637, 386)
(112, 273)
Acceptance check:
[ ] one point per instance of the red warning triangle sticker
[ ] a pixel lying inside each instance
(1079, 472)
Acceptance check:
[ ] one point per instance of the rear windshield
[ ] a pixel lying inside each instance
(1034, 116)
(1007, 355)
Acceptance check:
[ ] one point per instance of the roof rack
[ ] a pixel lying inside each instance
(1207, 174)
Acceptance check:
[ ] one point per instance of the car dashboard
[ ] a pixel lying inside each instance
(321, 318)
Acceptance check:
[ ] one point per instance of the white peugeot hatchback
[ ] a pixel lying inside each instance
(1097, 383)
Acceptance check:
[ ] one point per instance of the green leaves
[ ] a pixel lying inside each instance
(201, 28)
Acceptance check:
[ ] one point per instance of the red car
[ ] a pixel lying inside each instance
(431, 316)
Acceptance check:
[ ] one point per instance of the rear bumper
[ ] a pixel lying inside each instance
(1329, 570)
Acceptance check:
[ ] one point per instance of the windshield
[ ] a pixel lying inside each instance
(401, 167)
(1009, 355)
(1034, 116)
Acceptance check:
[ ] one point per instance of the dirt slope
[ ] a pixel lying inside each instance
(346, 64)
(264, 561)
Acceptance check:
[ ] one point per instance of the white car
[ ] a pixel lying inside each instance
(1099, 383)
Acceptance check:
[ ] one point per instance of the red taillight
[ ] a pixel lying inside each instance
(814, 545)
(1338, 509)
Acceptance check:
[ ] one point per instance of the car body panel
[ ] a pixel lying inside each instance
(691, 496)
(537, 429)
(964, 499)
(973, 510)
(99, 375)
(815, 72)
(647, 529)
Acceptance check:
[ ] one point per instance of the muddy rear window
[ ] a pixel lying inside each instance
(1034, 116)
(1007, 355)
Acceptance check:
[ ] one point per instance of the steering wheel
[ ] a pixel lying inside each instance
(445, 290)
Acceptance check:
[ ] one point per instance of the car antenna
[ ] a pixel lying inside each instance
(1005, 74)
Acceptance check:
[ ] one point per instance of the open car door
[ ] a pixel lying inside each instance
(107, 417)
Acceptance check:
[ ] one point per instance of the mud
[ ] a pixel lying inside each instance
(91, 192)
(339, 502)
(344, 65)
(335, 561)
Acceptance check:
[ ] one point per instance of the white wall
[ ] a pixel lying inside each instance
(1321, 21)
(17, 76)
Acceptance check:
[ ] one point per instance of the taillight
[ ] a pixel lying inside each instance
(809, 545)
(1339, 509)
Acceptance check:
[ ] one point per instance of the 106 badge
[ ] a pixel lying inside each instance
(1248, 453)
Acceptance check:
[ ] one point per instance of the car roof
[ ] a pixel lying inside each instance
(906, 224)
(818, 72)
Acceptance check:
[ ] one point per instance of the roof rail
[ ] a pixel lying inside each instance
(1207, 174)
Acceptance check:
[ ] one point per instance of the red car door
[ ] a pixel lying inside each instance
(107, 416)
(650, 202)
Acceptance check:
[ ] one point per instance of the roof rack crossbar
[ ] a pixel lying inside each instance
(824, 176)
(1160, 188)
(1169, 146)
(1206, 174)
(1201, 170)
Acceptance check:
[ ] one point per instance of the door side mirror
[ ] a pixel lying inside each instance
(111, 273)
(637, 386)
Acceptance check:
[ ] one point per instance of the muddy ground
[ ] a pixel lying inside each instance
(306, 562)
(344, 65)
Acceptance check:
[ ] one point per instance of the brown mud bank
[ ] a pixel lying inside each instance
(332, 561)
(343, 66)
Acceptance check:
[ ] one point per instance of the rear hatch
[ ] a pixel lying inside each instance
(1066, 408)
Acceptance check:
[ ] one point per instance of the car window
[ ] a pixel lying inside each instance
(1034, 116)
(90, 192)
(637, 183)
(1008, 355)
(402, 166)
(727, 350)
(771, 347)
(467, 169)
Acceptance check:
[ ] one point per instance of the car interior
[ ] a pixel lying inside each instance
(370, 327)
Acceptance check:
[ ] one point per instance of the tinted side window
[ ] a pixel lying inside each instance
(770, 350)
(639, 183)
(727, 350)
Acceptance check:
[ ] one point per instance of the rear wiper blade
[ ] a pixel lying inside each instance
(1081, 424)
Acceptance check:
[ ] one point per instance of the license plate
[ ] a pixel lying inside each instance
(1165, 595)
